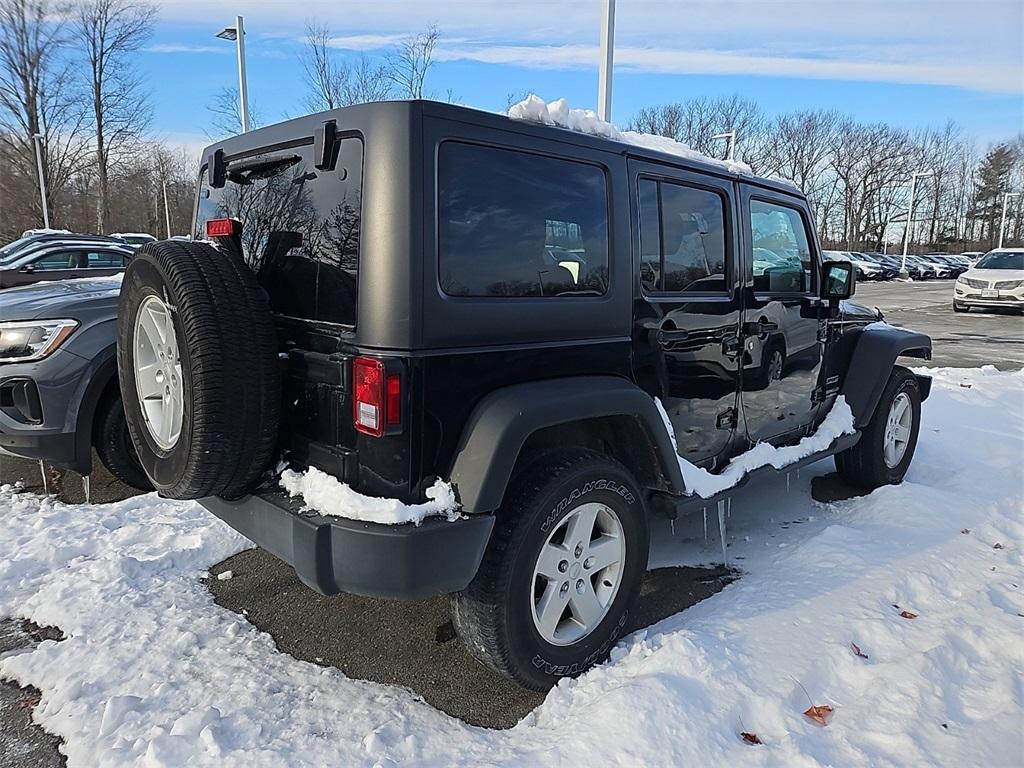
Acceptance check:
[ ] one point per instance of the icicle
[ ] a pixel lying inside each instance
(721, 532)
(787, 482)
(705, 526)
(87, 489)
(728, 507)
(46, 483)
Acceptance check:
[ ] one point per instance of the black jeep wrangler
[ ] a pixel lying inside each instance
(401, 292)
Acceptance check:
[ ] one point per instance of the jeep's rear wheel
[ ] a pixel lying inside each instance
(883, 454)
(198, 368)
(562, 571)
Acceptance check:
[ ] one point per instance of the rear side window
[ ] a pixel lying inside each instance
(103, 260)
(781, 250)
(513, 224)
(682, 238)
(300, 227)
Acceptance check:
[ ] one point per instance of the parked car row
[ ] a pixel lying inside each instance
(59, 394)
(881, 266)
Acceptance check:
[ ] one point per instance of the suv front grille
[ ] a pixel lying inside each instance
(976, 283)
(1008, 285)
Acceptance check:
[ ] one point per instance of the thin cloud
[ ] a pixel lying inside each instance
(184, 48)
(666, 61)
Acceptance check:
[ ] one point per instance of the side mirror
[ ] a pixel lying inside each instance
(839, 279)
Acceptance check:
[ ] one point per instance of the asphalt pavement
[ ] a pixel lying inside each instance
(413, 644)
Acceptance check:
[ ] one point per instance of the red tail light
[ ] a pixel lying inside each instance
(223, 227)
(394, 404)
(377, 397)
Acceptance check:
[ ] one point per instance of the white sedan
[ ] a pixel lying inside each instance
(996, 280)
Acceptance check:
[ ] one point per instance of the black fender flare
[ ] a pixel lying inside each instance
(503, 420)
(874, 355)
(103, 372)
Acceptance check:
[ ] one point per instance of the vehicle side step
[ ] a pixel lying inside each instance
(677, 505)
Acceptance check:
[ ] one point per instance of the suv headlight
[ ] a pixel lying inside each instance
(27, 340)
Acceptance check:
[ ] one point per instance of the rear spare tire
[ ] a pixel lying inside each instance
(198, 368)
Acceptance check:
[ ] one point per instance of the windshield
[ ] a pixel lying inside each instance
(1001, 260)
(11, 251)
(300, 228)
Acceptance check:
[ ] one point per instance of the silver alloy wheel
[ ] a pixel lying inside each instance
(157, 368)
(897, 430)
(577, 574)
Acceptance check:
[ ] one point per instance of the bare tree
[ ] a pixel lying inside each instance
(37, 97)
(332, 82)
(410, 63)
(109, 32)
(226, 115)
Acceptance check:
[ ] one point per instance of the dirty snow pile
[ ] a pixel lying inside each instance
(325, 494)
(152, 672)
(560, 114)
(837, 423)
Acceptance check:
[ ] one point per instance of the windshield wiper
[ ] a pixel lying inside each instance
(245, 170)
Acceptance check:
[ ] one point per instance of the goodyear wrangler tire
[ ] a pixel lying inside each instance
(198, 368)
(561, 573)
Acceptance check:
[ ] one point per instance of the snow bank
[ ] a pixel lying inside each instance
(838, 422)
(560, 114)
(154, 673)
(327, 495)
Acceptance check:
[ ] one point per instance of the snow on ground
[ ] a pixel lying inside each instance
(154, 673)
(327, 495)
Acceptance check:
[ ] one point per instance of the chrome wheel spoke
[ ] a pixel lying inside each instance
(586, 608)
(550, 608)
(551, 556)
(604, 552)
(580, 528)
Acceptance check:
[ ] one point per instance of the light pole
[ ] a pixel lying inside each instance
(604, 74)
(1002, 221)
(167, 211)
(37, 139)
(237, 34)
(910, 218)
(731, 136)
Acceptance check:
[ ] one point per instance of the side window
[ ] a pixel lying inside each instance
(57, 260)
(512, 224)
(682, 238)
(103, 260)
(781, 251)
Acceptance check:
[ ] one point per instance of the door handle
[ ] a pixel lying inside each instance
(668, 338)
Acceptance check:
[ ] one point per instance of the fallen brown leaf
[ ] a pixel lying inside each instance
(750, 738)
(857, 651)
(908, 615)
(997, 545)
(819, 714)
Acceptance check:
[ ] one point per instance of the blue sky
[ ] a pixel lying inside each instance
(914, 63)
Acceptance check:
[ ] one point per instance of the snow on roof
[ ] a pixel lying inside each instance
(45, 231)
(133, 234)
(558, 113)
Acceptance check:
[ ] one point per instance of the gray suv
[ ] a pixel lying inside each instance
(59, 394)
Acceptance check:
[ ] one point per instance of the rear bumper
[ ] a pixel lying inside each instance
(331, 555)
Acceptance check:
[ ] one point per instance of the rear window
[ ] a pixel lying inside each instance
(300, 227)
(518, 225)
